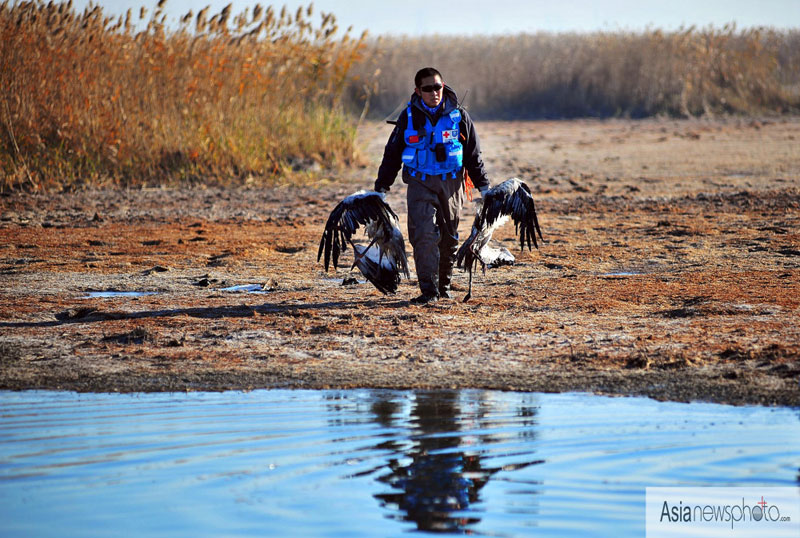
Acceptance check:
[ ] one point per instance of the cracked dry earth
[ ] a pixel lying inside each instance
(670, 268)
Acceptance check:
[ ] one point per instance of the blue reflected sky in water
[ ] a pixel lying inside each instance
(366, 463)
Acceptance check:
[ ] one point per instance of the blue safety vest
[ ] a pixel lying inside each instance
(435, 150)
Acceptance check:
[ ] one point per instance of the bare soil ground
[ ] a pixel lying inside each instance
(670, 268)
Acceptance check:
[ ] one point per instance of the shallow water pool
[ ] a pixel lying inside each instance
(111, 294)
(369, 462)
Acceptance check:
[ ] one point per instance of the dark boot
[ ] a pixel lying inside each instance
(425, 299)
(429, 285)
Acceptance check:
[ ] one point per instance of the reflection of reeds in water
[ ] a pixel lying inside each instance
(91, 99)
(682, 73)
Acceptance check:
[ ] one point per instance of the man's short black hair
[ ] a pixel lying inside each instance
(426, 72)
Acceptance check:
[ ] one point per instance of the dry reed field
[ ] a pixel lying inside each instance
(92, 100)
(269, 95)
(691, 72)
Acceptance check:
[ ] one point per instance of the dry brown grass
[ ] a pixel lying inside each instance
(90, 99)
(630, 74)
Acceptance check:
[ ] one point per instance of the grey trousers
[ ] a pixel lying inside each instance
(434, 210)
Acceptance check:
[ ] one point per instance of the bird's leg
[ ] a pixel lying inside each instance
(355, 253)
(356, 257)
(469, 292)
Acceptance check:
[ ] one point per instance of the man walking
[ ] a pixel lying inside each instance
(435, 142)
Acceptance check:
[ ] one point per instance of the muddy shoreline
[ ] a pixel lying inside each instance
(670, 269)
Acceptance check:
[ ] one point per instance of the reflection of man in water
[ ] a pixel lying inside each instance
(435, 483)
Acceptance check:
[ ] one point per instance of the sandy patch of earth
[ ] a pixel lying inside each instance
(670, 268)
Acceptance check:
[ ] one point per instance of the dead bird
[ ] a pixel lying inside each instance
(510, 199)
(383, 260)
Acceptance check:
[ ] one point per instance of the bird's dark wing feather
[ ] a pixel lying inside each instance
(513, 198)
(354, 211)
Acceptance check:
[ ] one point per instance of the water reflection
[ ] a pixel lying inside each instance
(369, 462)
(438, 469)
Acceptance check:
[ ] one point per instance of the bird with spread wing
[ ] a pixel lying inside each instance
(384, 259)
(511, 198)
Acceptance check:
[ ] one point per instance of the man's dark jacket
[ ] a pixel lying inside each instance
(393, 153)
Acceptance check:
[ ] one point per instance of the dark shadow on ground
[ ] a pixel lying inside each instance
(95, 315)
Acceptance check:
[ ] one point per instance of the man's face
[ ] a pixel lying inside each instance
(433, 97)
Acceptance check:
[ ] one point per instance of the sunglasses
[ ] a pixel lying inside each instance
(431, 88)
